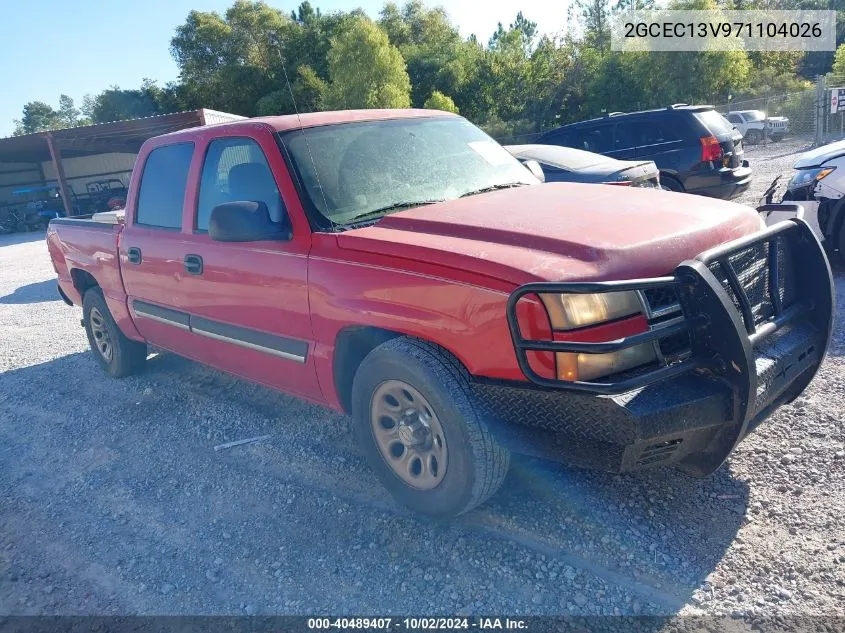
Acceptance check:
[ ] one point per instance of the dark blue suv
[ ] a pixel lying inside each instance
(696, 149)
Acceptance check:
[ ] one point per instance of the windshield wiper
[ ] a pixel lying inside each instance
(396, 206)
(504, 185)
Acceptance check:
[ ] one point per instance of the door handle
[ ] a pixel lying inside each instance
(133, 255)
(193, 264)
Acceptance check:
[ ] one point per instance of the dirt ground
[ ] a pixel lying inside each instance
(114, 500)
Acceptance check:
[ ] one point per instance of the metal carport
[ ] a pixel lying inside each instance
(26, 160)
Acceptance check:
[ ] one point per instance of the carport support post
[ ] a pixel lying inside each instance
(56, 155)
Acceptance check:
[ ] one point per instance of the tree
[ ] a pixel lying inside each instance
(68, 114)
(839, 62)
(37, 117)
(595, 15)
(439, 101)
(366, 70)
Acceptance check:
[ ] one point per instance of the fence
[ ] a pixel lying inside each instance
(808, 112)
(799, 107)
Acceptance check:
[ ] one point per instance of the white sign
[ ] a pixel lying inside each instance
(837, 100)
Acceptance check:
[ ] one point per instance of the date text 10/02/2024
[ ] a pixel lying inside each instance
(417, 624)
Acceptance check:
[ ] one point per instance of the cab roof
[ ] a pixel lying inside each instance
(286, 122)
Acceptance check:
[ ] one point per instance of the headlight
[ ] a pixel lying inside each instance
(590, 366)
(805, 177)
(570, 311)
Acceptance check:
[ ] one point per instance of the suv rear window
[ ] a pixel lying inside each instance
(715, 122)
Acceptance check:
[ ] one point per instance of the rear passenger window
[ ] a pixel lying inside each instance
(597, 139)
(648, 133)
(236, 169)
(163, 184)
(625, 137)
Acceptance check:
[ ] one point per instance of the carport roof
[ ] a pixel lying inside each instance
(118, 136)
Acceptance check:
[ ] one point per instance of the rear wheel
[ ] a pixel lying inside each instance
(421, 432)
(118, 355)
(841, 243)
(668, 183)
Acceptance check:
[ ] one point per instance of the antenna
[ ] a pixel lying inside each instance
(274, 41)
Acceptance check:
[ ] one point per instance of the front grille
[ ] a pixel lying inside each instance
(664, 306)
(660, 299)
(751, 267)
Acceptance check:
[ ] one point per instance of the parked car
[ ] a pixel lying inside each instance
(695, 148)
(818, 185)
(401, 266)
(566, 164)
(754, 125)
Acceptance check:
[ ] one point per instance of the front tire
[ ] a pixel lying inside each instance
(754, 137)
(117, 355)
(417, 423)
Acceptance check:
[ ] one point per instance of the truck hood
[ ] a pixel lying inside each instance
(820, 155)
(558, 231)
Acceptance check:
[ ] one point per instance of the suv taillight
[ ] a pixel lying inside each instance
(710, 149)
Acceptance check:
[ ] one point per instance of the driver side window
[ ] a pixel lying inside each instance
(235, 169)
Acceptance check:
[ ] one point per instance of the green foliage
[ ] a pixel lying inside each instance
(366, 70)
(439, 101)
(41, 117)
(251, 58)
(838, 68)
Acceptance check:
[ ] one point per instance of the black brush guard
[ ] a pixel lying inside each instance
(727, 345)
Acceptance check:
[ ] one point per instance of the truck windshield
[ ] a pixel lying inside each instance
(356, 172)
(754, 115)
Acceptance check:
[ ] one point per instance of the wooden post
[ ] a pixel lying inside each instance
(56, 155)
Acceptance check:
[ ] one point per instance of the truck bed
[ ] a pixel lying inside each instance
(85, 253)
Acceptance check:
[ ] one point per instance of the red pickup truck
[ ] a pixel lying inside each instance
(401, 266)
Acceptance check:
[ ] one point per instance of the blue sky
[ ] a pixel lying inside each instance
(53, 47)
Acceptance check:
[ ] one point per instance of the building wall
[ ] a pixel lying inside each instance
(15, 175)
(80, 171)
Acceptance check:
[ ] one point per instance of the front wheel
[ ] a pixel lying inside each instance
(118, 355)
(753, 136)
(422, 434)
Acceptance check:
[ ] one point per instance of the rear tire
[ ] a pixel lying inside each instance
(840, 243)
(423, 436)
(753, 137)
(117, 355)
(668, 183)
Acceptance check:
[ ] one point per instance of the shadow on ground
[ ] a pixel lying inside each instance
(121, 476)
(37, 292)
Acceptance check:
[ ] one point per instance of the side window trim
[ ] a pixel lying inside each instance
(143, 172)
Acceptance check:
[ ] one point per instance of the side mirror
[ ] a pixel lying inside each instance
(534, 167)
(244, 221)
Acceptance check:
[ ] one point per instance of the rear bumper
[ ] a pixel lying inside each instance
(694, 412)
(724, 183)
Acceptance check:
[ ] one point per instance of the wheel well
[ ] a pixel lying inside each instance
(351, 346)
(82, 280)
(838, 222)
(664, 175)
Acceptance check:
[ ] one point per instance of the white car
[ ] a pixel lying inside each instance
(754, 125)
(818, 185)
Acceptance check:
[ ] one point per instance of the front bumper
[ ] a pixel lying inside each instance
(747, 357)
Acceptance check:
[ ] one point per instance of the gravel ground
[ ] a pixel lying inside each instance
(114, 501)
